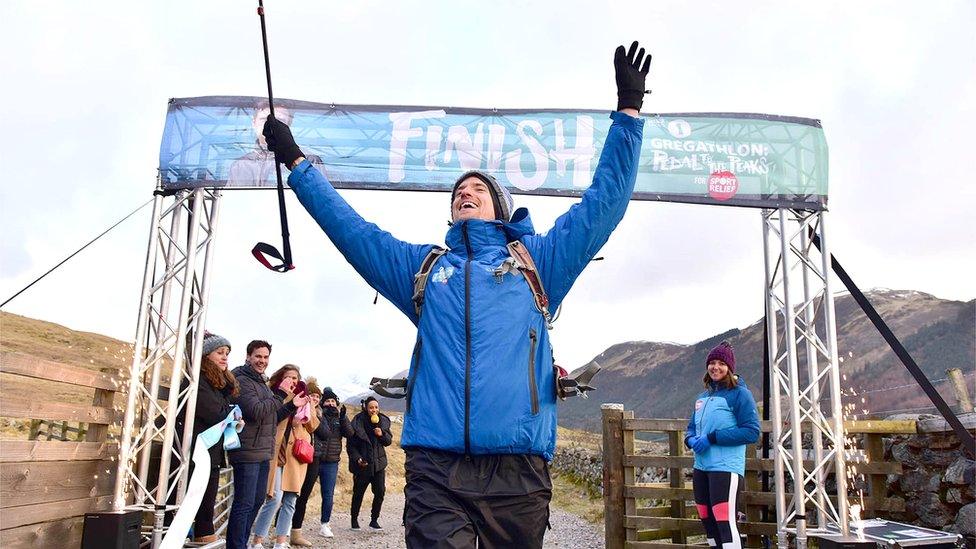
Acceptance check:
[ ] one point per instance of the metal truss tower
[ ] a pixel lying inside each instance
(168, 347)
(804, 376)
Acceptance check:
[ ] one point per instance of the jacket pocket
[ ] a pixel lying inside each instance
(416, 372)
(533, 389)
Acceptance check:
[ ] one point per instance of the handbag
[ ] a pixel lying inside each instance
(303, 451)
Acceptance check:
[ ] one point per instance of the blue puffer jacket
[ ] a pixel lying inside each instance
(481, 379)
(730, 420)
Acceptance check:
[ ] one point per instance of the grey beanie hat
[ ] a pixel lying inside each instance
(500, 197)
(212, 342)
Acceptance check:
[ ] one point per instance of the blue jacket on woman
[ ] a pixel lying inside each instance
(481, 379)
(729, 419)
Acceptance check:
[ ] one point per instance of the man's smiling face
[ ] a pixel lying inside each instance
(472, 200)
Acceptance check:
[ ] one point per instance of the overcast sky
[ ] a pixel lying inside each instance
(84, 100)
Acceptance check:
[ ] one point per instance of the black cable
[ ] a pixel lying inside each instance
(967, 439)
(65, 260)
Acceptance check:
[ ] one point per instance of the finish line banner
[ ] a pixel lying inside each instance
(755, 160)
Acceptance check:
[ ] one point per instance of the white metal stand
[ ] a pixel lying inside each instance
(802, 329)
(168, 345)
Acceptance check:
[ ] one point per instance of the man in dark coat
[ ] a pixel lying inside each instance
(367, 459)
(262, 411)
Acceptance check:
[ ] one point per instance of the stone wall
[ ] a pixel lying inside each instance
(581, 465)
(585, 467)
(936, 485)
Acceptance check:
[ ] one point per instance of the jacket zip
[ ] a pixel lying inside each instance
(701, 421)
(533, 390)
(257, 432)
(257, 435)
(416, 372)
(467, 340)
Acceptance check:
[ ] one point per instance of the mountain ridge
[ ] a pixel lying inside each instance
(660, 379)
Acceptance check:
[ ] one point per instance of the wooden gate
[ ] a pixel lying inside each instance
(646, 514)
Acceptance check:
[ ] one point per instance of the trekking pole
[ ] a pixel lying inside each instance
(262, 249)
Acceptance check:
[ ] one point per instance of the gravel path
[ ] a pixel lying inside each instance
(568, 530)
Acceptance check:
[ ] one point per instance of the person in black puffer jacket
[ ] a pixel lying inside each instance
(367, 459)
(331, 451)
(333, 425)
(216, 387)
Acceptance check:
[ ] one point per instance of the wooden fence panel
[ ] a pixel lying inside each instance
(47, 486)
(630, 506)
(103, 398)
(693, 525)
(676, 478)
(58, 533)
(33, 482)
(55, 450)
(28, 366)
(23, 515)
(24, 407)
(901, 426)
(756, 464)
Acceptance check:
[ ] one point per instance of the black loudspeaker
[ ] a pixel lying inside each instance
(112, 530)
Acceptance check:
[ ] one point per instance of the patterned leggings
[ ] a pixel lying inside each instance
(716, 494)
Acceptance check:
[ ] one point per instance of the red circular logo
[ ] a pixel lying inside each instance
(722, 185)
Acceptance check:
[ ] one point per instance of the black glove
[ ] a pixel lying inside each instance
(342, 410)
(280, 141)
(630, 76)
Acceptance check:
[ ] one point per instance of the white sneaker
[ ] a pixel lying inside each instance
(325, 531)
(285, 545)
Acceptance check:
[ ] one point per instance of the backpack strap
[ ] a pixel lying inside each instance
(420, 279)
(526, 266)
(382, 386)
(397, 387)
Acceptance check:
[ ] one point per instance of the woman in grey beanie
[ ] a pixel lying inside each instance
(215, 388)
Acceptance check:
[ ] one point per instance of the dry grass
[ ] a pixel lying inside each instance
(49, 341)
(572, 437)
(576, 499)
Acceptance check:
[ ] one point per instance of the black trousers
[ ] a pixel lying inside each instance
(458, 501)
(716, 496)
(311, 475)
(203, 523)
(359, 483)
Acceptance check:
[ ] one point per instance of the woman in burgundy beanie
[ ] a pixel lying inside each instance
(723, 422)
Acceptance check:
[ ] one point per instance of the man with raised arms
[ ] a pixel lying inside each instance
(480, 424)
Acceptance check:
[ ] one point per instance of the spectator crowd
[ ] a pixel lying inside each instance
(291, 438)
